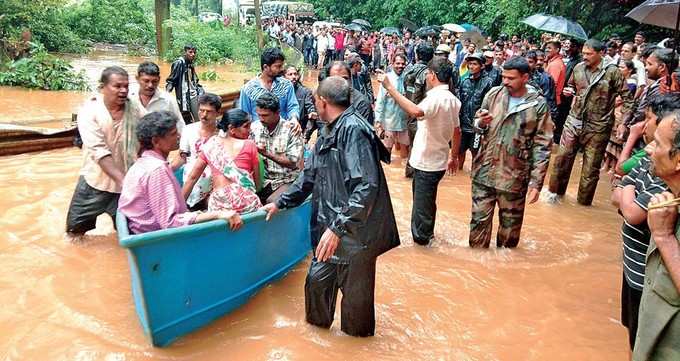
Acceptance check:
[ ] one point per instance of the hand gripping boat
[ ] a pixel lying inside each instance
(184, 278)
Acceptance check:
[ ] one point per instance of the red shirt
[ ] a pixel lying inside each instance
(339, 40)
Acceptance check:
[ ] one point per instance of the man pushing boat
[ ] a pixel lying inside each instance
(352, 219)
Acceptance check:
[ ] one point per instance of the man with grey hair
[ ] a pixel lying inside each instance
(658, 335)
(352, 217)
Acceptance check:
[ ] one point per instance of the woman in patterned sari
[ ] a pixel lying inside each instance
(233, 163)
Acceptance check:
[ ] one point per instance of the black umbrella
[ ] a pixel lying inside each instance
(362, 22)
(354, 27)
(663, 13)
(410, 25)
(430, 30)
(556, 24)
(390, 30)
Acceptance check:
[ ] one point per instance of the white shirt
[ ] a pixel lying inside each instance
(430, 151)
(321, 43)
(641, 73)
(189, 144)
(161, 101)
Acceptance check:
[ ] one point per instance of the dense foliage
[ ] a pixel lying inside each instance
(43, 71)
(215, 42)
(600, 18)
(46, 20)
(112, 21)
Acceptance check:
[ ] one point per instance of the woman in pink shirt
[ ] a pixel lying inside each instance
(234, 165)
(151, 198)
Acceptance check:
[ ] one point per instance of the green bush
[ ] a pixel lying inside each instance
(214, 42)
(45, 19)
(112, 21)
(43, 71)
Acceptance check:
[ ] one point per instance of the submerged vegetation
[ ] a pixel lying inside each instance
(43, 71)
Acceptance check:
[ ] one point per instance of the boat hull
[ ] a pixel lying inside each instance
(184, 278)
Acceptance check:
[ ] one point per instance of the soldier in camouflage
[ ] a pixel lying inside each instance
(415, 89)
(590, 121)
(513, 157)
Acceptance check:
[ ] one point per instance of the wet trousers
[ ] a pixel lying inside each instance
(424, 211)
(510, 216)
(86, 205)
(594, 146)
(412, 127)
(356, 280)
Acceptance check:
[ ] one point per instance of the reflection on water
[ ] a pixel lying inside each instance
(556, 297)
(27, 106)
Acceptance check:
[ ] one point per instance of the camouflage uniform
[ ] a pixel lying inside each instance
(513, 155)
(588, 126)
(414, 90)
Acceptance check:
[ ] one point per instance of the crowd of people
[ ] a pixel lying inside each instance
(507, 102)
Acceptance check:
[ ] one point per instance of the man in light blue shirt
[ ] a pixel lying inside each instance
(271, 80)
(390, 118)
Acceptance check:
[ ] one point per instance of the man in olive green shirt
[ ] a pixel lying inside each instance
(658, 336)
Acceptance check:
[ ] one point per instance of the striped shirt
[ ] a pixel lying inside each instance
(636, 237)
(151, 197)
(281, 87)
(280, 141)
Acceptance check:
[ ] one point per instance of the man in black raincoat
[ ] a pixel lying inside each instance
(352, 218)
(184, 81)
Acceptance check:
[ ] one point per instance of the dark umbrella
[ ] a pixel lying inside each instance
(556, 24)
(410, 25)
(362, 22)
(430, 30)
(390, 30)
(354, 27)
(663, 13)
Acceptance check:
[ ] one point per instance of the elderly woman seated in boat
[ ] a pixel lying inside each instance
(151, 198)
(234, 166)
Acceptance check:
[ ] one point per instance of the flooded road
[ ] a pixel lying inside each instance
(36, 107)
(556, 297)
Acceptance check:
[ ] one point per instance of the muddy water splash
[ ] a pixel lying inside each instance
(556, 297)
(36, 107)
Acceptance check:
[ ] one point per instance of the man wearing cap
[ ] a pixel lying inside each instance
(471, 91)
(361, 81)
(490, 70)
(443, 51)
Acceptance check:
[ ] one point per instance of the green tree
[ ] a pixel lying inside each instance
(112, 21)
(46, 21)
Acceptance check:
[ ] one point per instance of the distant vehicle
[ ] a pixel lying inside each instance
(296, 11)
(206, 17)
(247, 15)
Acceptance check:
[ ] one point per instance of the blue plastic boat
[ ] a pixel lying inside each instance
(184, 278)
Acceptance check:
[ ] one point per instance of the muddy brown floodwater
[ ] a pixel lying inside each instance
(37, 107)
(556, 297)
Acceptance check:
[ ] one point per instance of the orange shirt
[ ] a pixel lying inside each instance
(558, 71)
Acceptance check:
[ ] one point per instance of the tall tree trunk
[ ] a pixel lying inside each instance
(162, 12)
(258, 25)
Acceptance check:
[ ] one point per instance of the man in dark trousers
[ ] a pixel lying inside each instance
(184, 81)
(352, 218)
